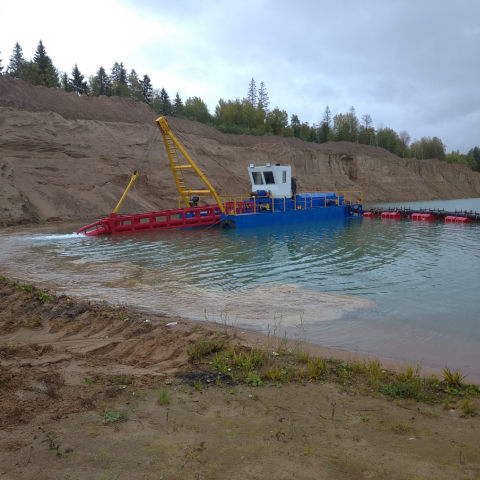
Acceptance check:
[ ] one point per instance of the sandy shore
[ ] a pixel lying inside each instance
(90, 374)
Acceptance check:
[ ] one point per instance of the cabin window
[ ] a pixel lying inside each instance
(257, 178)
(269, 179)
(284, 176)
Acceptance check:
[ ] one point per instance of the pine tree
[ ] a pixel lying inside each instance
(77, 82)
(41, 58)
(166, 106)
(263, 97)
(295, 124)
(135, 86)
(65, 83)
(16, 66)
(115, 73)
(118, 80)
(122, 77)
(252, 96)
(1, 66)
(325, 126)
(102, 83)
(147, 90)
(177, 108)
(41, 70)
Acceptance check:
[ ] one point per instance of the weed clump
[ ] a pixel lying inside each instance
(452, 378)
(111, 417)
(164, 396)
(203, 347)
(316, 367)
(401, 427)
(469, 409)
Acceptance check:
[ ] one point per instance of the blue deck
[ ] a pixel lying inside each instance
(281, 217)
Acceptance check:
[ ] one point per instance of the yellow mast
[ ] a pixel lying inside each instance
(172, 146)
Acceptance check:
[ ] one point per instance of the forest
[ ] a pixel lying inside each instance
(248, 115)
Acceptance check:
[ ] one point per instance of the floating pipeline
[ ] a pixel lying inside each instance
(424, 214)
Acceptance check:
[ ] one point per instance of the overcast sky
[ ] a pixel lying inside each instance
(411, 65)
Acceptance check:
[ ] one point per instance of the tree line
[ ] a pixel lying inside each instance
(250, 115)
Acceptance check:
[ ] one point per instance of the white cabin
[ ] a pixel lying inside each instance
(275, 179)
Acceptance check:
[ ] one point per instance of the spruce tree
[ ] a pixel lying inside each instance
(177, 108)
(41, 70)
(65, 83)
(295, 124)
(166, 106)
(16, 66)
(147, 89)
(325, 126)
(263, 97)
(77, 82)
(135, 86)
(101, 83)
(115, 73)
(252, 96)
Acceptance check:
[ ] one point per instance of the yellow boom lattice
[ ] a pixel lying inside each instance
(173, 148)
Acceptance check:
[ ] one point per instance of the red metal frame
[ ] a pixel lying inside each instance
(164, 219)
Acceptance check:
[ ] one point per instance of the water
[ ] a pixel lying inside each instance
(395, 289)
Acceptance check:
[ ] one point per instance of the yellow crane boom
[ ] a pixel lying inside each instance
(173, 147)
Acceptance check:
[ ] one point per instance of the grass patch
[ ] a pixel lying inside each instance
(469, 409)
(119, 380)
(164, 396)
(111, 417)
(453, 378)
(401, 427)
(205, 346)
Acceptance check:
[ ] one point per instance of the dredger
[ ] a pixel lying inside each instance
(272, 200)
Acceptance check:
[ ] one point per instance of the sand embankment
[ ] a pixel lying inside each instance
(64, 157)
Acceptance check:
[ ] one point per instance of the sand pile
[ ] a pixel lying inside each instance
(64, 157)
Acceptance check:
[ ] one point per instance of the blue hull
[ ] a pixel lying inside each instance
(316, 214)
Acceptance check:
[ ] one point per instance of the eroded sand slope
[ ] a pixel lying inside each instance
(67, 157)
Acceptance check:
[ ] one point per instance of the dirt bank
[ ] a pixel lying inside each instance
(64, 157)
(89, 376)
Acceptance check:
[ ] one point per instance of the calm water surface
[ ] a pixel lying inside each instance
(400, 289)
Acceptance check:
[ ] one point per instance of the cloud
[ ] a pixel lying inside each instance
(411, 65)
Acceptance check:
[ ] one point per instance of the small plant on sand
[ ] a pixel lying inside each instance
(401, 427)
(273, 373)
(315, 366)
(446, 403)
(88, 381)
(452, 378)
(52, 445)
(26, 287)
(164, 396)
(111, 417)
(203, 347)
(197, 384)
(44, 297)
(303, 356)
(254, 379)
(429, 412)
(469, 409)
(308, 450)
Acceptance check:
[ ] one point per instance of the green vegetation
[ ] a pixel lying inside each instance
(52, 445)
(250, 115)
(401, 427)
(164, 396)
(204, 346)
(111, 417)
